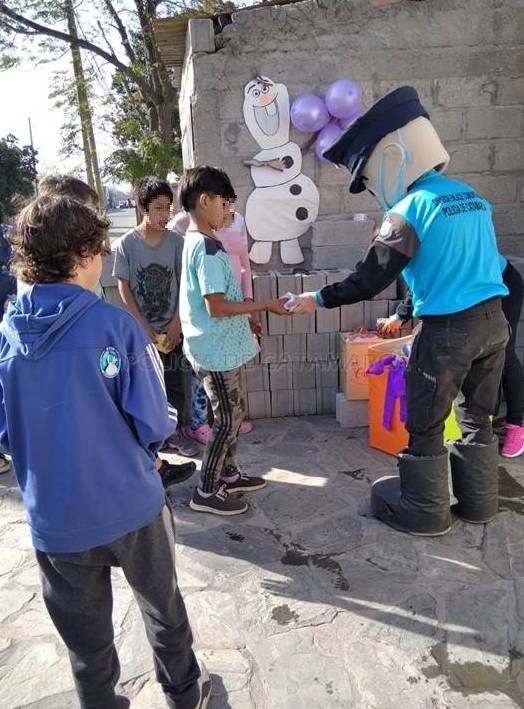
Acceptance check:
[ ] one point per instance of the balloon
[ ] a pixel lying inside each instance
(344, 123)
(309, 113)
(343, 98)
(326, 138)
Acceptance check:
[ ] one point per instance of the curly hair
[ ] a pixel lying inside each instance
(149, 188)
(51, 235)
(68, 186)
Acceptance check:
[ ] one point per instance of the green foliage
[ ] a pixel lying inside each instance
(17, 172)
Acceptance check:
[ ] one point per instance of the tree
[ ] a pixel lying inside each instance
(121, 33)
(17, 172)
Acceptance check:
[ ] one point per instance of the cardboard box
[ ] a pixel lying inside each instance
(354, 347)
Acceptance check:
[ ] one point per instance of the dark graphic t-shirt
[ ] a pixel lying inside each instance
(153, 274)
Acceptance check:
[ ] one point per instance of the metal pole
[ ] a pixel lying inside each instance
(35, 184)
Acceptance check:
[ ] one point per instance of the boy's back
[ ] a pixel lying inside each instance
(83, 416)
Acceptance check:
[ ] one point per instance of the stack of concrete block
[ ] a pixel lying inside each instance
(297, 370)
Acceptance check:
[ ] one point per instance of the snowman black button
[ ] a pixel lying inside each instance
(301, 214)
(295, 189)
(288, 161)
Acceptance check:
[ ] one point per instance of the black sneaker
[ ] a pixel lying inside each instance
(219, 503)
(245, 484)
(173, 474)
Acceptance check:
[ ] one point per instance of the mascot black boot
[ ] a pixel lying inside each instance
(417, 502)
(474, 471)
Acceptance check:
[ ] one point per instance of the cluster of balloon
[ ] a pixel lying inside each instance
(329, 117)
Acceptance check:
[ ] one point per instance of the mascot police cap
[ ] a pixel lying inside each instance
(356, 144)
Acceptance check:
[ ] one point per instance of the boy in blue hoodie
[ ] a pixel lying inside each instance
(84, 414)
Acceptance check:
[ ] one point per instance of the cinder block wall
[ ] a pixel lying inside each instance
(465, 58)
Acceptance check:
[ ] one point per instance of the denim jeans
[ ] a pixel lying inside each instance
(458, 358)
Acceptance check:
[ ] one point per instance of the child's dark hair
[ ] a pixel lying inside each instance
(51, 235)
(149, 188)
(203, 180)
(67, 186)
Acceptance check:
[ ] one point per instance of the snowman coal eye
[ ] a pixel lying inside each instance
(265, 89)
(256, 93)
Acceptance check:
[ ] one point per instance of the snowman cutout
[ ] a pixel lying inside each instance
(284, 202)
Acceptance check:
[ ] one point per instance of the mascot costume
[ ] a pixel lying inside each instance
(438, 233)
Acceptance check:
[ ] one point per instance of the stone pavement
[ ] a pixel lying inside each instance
(302, 602)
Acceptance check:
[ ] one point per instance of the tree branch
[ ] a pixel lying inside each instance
(63, 37)
(121, 31)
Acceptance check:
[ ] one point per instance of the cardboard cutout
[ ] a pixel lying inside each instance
(284, 202)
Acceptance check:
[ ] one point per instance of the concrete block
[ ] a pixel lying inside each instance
(304, 375)
(330, 200)
(470, 157)
(342, 232)
(346, 256)
(351, 317)
(318, 347)
(328, 319)
(448, 124)
(362, 203)
(282, 403)
(288, 283)
(259, 404)
(497, 189)
(257, 377)
(200, 36)
(326, 399)
(281, 376)
(310, 282)
(305, 402)
(509, 155)
(271, 348)
(295, 348)
(264, 288)
(374, 309)
(326, 375)
(493, 122)
(466, 91)
(511, 91)
(351, 414)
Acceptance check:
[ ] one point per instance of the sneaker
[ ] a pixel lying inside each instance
(202, 434)
(183, 445)
(219, 503)
(245, 484)
(246, 427)
(173, 474)
(5, 465)
(513, 441)
(204, 684)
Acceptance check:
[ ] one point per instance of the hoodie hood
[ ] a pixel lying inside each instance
(42, 314)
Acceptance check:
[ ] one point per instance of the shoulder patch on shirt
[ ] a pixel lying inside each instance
(212, 246)
(110, 362)
(398, 234)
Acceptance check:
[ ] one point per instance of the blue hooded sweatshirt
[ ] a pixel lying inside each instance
(83, 414)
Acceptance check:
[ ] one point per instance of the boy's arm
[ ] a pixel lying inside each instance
(143, 397)
(404, 311)
(130, 303)
(211, 279)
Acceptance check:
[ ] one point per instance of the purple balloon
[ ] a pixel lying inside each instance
(326, 138)
(344, 98)
(309, 113)
(344, 123)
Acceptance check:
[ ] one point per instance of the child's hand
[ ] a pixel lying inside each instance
(174, 334)
(304, 303)
(387, 326)
(255, 325)
(277, 306)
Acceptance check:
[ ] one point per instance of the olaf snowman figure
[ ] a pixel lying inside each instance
(284, 202)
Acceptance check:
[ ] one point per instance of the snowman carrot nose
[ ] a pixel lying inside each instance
(266, 100)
